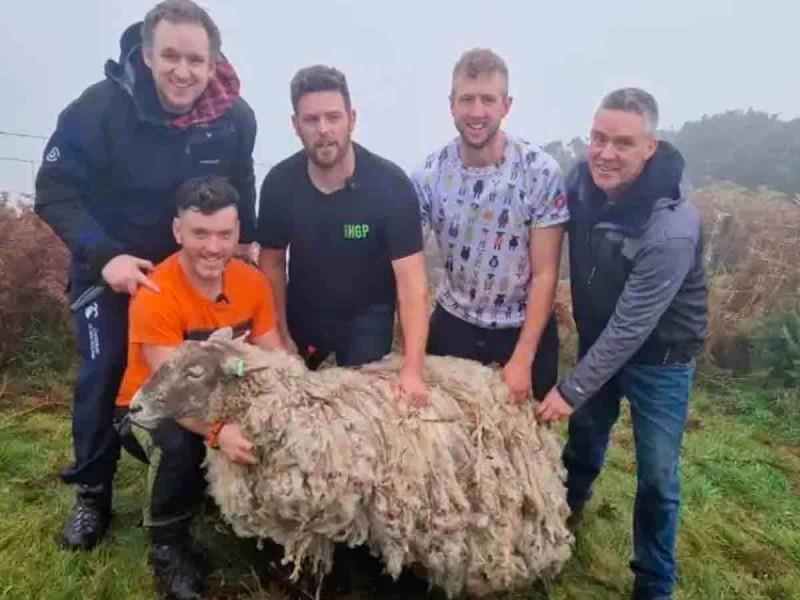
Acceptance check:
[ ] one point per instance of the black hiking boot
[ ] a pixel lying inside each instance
(177, 566)
(89, 518)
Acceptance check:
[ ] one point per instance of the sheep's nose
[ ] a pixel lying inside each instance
(135, 408)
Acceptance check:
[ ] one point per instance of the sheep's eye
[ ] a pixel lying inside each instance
(195, 372)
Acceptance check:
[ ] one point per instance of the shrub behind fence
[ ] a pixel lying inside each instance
(33, 267)
(753, 258)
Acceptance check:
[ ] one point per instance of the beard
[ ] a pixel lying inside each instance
(329, 155)
(491, 134)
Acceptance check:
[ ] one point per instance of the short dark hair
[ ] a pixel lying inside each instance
(318, 78)
(480, 61)
(207, 194)
(634, 100)
(182, 11)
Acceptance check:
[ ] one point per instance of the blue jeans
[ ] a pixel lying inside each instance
(101, 328)
(355, 339)
(659, 396)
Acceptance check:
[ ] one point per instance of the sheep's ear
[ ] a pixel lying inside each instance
(233, 366)
(223, 334)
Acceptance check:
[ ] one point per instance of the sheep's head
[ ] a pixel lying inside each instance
(183, 385)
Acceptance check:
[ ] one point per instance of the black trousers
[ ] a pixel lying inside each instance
(175, 476)
(451, 336)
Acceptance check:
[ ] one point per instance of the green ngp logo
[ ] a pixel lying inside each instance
(355, 232)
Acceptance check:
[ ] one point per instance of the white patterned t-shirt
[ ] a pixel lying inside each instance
(482, 219)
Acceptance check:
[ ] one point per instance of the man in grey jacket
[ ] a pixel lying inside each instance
(639, 300)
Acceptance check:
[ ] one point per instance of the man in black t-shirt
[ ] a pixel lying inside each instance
(352, 225)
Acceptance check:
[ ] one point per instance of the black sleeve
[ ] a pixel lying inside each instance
(75, 160)
(273, 216)
(243, 176)
(403, 221)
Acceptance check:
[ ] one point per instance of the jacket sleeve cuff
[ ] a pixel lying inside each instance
(570, 392)
(101, 253)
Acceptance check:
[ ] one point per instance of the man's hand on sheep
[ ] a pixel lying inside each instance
(554, 407)
(234, 446)
(410, 386)
(517, 375)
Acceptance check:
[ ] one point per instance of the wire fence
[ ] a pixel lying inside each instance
(32, 164)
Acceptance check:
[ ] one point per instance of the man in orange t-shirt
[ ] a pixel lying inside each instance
(202, 289)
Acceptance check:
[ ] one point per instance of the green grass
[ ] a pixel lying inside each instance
(739, 538)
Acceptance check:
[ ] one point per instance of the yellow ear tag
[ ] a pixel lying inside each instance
(239, 370)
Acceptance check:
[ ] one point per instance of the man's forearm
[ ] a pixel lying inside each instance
(414, 324)
(545, 257)
(274, 267)
(60, 206)
(414, 311)
(541, 295)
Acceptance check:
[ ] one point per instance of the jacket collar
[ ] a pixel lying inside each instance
(135, 78)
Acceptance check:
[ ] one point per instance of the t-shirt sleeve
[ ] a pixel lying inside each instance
(273, 217)
(155, 319)
(403, 223)
(264, 316)
(548, 195)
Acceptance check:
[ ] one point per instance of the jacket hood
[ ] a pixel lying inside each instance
(135, 78)
(658, 187)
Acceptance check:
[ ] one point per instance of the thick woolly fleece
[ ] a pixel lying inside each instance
(470, 487)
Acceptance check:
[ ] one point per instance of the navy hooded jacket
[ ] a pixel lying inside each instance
(110, 169)
(636, 272)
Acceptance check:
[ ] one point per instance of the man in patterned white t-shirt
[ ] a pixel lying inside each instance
(497, 207)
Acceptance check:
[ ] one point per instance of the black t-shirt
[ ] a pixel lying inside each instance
(340, 245)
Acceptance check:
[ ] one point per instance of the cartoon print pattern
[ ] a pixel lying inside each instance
(486, 231)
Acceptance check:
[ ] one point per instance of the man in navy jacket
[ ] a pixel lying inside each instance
(169, 110)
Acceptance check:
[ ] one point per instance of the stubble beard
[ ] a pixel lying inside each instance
(340, 155)
(463, 130)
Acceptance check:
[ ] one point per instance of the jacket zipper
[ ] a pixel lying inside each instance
(666, 356)
(589, 244)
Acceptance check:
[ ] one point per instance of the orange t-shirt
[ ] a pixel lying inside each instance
(179, 312)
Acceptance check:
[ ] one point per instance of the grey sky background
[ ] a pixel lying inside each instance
(696, 56)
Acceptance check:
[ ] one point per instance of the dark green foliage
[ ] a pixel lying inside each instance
(750, 148)
(777, 347)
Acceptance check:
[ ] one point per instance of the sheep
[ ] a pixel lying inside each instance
(469, 487)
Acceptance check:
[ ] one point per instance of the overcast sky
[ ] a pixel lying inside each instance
(695, 56)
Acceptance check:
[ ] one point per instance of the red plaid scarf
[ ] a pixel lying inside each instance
(218, 97)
